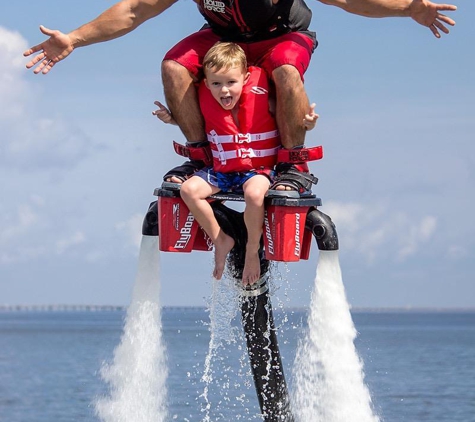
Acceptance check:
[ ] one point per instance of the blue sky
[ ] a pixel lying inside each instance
(80, 156)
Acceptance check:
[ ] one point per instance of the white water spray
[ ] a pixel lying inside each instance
(329, 379)
(222, 310)
(138, 372)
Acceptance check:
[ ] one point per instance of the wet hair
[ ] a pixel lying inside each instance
(225, 55)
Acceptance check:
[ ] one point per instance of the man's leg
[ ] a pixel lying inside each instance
(254, 191)
(286, 59)
(194, 192)
(181, 68)
(291, 105)
(182, 99)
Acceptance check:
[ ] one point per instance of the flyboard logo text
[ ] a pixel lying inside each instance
(185, 231)
(176, 216)
(297, 235)
(270, 242)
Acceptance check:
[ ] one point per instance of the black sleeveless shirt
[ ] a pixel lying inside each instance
(254, 20)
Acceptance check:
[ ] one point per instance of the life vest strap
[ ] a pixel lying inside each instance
(201, 152)
(299, 155)
(244, 153)
(241, 138)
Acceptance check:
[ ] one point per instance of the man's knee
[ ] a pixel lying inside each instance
(172, 70)
(286, 75)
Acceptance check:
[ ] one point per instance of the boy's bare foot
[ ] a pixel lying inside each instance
(222, 247)
(252, 268)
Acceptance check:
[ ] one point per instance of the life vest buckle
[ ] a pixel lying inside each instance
(240, 138)
(245, 153)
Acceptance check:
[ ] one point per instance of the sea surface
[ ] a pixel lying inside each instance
(418, 365)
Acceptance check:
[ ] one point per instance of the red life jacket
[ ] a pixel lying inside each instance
(252, 145)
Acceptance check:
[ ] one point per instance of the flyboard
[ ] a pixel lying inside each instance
(290, 223)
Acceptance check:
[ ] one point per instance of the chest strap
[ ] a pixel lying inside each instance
(222, 156)
(241, 138)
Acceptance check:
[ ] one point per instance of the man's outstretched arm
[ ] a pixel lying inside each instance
(423, 12)
(118, 20)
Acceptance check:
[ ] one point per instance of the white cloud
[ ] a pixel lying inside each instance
(19, 224)
(26, 233)
(457, 252)
(29, 140)
(62, 245)
(12, 90)
(416, 235)
(15, 232)
(373, 230)
(94, 256)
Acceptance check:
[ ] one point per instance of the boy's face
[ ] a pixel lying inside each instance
(226, 85)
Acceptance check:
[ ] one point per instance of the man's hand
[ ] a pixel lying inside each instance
(163, 114)
(56, 48)
(428, 14)
(310, 120)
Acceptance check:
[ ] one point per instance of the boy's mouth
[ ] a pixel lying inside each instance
(226, 101)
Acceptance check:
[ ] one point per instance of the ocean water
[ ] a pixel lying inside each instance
(418, 366)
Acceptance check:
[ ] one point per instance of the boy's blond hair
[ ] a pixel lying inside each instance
(225, 55)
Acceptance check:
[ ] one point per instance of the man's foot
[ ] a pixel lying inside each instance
(252, 268)
(222, 247)
(199, 154)
(180, 173)
(293, 179)
(175, 179)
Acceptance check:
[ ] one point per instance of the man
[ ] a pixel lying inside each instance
(280, 26)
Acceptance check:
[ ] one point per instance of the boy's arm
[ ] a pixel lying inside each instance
(118, 20)
(164, 114)
(310, 119)
(423, 12)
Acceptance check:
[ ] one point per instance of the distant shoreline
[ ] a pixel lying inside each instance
(119, 308)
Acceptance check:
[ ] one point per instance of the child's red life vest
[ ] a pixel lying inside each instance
(252, 145)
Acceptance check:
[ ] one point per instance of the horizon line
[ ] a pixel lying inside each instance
(96, 308)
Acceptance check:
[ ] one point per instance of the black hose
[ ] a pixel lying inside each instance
(264, 357)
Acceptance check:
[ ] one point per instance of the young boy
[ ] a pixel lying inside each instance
(244, 142)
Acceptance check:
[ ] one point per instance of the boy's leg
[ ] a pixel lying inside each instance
(254, 191)
(194, 192)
